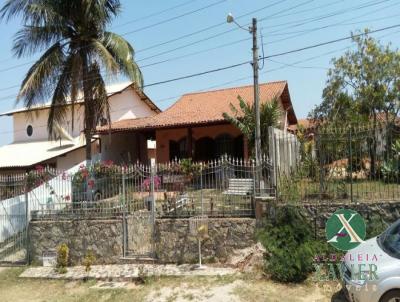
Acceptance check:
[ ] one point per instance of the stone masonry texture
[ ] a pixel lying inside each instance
(173, 242)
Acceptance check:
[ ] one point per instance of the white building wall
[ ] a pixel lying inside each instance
(128, 105)
(124, 105)
(38, 120)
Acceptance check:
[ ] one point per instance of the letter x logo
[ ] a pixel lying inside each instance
(346, 226)
(345, 229)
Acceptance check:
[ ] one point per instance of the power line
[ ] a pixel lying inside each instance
(269, 56)
(278, 32)
(173, 18)
(190, 44)
(297, 23)
(138, 29)
(238, 79)
(209, 27)
(216, 35)
(154, 14)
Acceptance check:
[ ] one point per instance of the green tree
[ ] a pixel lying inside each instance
(363, 85)
(244, 118)
(76, 45)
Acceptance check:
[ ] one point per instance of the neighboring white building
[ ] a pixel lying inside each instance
(31, 146)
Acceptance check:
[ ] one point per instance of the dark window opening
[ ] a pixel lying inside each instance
(29, 130)
(205, 149)
(178, 150)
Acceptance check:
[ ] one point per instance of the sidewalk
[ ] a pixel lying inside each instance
(126, 272)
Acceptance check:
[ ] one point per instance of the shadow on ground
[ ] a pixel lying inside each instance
(339, 297)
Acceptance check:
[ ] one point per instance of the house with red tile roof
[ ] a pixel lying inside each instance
(193, 127)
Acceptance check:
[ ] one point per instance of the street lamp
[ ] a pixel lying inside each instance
(253, 30)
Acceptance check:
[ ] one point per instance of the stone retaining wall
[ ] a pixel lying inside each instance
(103, 237)
(318, 214)
(173, 242)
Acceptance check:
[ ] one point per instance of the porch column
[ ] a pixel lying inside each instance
(245, 148)
(190, 142)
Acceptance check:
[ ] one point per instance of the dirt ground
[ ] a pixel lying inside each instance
(244, 287)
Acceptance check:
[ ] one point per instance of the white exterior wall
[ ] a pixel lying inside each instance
(38, 120)
(124, 105)
(128, 105)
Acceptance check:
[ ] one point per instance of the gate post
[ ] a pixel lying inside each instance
(152, 198)
(124, 224)
(351, 165)
(272, 156)
(27, 219)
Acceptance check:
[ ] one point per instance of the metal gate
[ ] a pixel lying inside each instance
(139, 212)
(13, 220)
(138, 235)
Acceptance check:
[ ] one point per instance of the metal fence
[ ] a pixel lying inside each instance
(222, 188)
(348, 164)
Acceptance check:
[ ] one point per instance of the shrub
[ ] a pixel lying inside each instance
(375, 225)
(391, 168)
(290, 246)
(62, 258)
(88, 261)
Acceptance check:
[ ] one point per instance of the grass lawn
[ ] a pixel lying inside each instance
(212, 289)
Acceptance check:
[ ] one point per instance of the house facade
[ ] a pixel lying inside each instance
(31, 145)
(193, 127)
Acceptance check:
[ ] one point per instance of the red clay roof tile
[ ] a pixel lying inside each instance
(206, 107)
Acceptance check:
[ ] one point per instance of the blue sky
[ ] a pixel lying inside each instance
(285, 25)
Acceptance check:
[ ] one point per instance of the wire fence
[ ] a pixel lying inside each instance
(348, 164)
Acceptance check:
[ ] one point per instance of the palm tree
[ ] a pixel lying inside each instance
(244, 118)
(76, 45)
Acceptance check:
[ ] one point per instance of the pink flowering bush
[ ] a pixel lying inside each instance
(146, 185)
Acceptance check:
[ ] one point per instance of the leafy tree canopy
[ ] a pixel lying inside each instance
(362, 84)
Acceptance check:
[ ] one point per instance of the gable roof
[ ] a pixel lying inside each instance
(207, 108)
(112, 89)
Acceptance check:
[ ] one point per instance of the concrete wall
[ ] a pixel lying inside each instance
(174, 244)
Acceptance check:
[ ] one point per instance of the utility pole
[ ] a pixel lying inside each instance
(257, 144)
(253, 31)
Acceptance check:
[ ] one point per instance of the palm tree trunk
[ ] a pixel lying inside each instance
(87, 99)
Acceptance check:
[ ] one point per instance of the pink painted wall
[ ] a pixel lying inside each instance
(163, 137)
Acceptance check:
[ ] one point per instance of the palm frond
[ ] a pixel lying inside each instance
(106, 57)
(31, 39)
(58, 108)
(100, 105)
(14, 8)
(40, 78)
(123, 54)
(244, 119)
